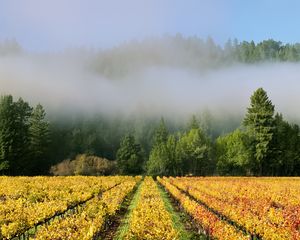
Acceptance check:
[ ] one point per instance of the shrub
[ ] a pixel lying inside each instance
(84, 165)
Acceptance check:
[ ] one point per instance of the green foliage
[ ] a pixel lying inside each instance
(285, 160)
(173, 164)
(20, 163)
(6, 131)
(14, 135)
(267, 50)
(234, 154)
(194, 123)
(39, 138)
(267, 146)
(24, 137)
(163, 158)
(259, 123)
(189, 153)
(161, 134)
(129, 156)
(196, 54)
(158, 158)
(4, 165)
(193, 152)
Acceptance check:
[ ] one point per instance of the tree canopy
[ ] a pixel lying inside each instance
(264, 144)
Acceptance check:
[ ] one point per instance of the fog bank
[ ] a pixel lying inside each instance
(67, 83)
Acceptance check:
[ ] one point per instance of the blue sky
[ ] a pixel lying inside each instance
(47, 25)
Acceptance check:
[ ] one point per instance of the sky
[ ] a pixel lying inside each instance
(54, 25)
(67, 81)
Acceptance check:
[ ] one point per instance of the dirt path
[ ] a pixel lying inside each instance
(113, 223)
(185, 225)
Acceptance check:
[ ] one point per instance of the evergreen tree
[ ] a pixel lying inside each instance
(39, 139)
(205, 123)
(21, 162)
(228, 50)
(158, 158)
(163, 159)
(161, 134)
(129, 156)
(285, 160)
(259, 122)
(14, 137)
(6, 132)
(173, 164)
(193, 151)
(194, 123)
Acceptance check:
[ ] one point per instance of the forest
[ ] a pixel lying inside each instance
(260, 143)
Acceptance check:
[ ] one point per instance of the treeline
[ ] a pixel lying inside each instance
(192, 53)
(265, 144)
(24, 137)
(182, 153)
(267, 50)
(127, 138)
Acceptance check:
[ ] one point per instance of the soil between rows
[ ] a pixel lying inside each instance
(192, 230)
(113, 223)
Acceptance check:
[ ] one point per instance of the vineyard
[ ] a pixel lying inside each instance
(125, 207)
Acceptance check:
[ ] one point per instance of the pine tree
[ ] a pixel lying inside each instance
(163, 159)
(39, 138)
(6, 132)
(173, 166)
(194, 123)
(161, 134)
(129, 156)
(21, 162)
(158, 158)
(14, 135)
(285, 148)
(259, 123)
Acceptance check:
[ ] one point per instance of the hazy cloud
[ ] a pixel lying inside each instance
(66, 83)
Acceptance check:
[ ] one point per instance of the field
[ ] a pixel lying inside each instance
(124, 207)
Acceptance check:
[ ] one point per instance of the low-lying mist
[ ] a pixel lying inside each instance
(69, 82)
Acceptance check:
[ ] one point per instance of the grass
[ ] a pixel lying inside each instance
(124, 226)
(178, 219)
